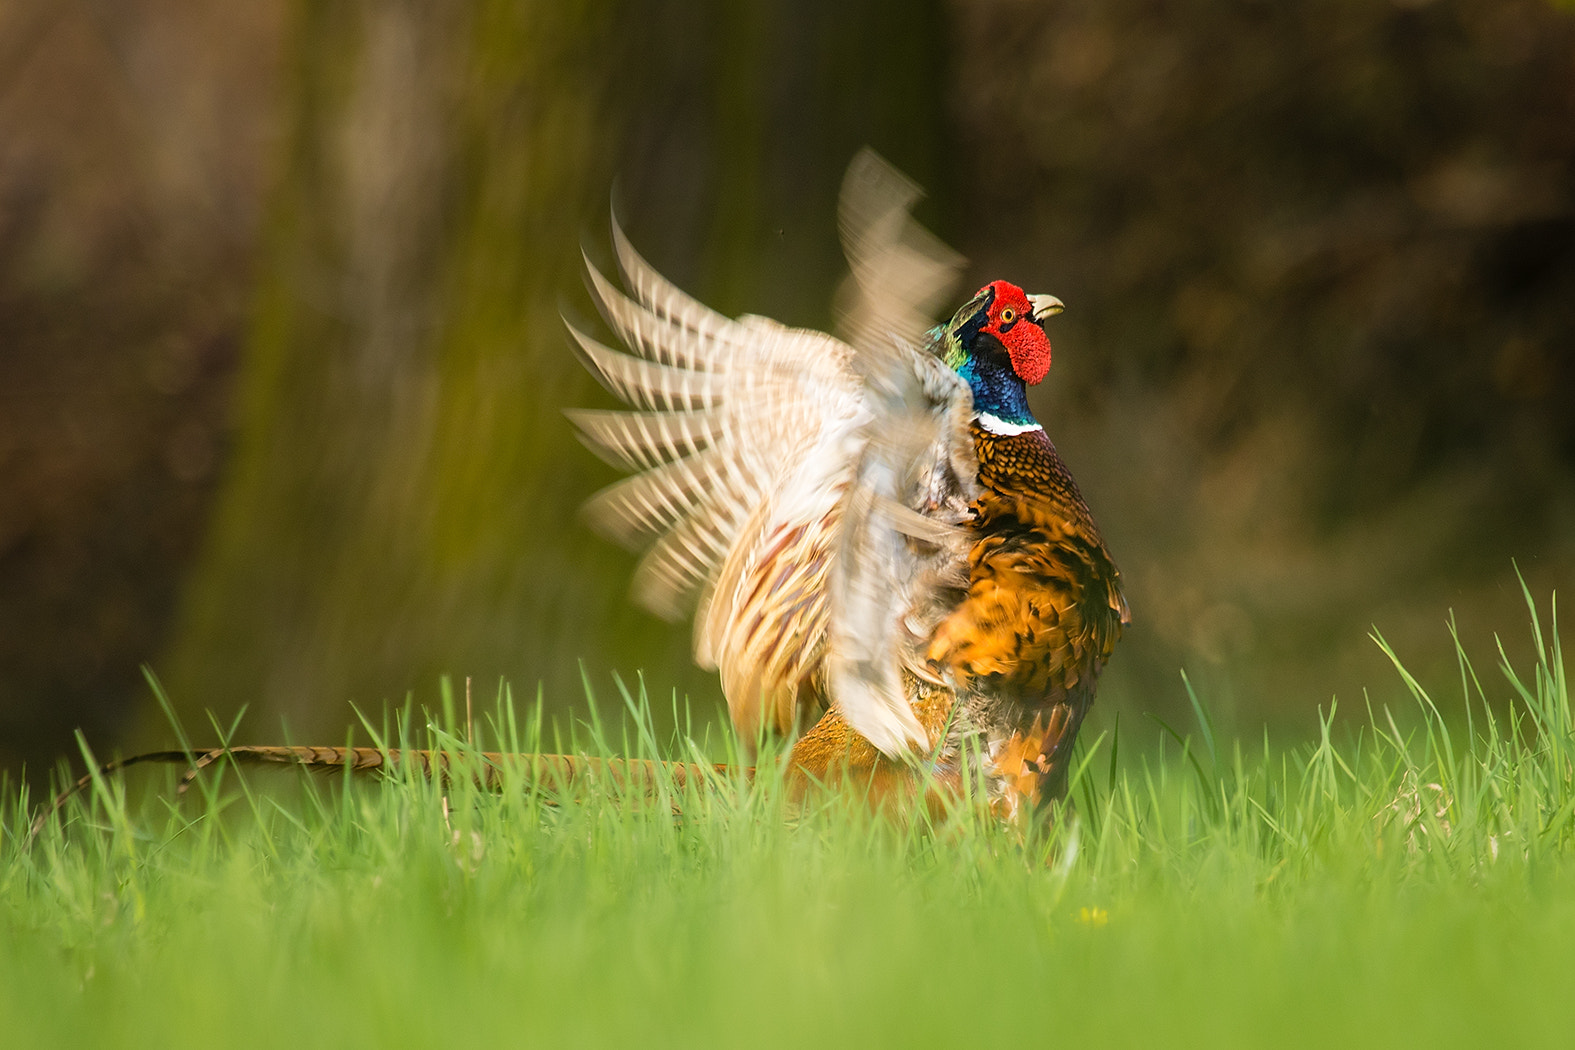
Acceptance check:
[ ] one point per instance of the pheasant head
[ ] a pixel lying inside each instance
(997, 343)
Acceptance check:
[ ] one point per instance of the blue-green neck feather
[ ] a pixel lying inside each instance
(996, 390)
(984, 363)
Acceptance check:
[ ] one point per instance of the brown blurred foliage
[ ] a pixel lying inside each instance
(1321, 262)
(280, 368)
(134, 141)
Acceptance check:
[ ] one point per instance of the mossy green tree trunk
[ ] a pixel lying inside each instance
(400, 500)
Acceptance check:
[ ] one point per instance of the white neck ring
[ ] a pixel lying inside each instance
(997, 425)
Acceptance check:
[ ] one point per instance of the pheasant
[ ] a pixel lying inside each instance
(885, 549)
(887, 558)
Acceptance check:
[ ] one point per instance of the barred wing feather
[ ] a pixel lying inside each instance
(804, 491)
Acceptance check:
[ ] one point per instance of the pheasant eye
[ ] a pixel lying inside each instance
(1008, 315)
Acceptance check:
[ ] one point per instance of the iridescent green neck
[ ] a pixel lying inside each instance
(1000, 398)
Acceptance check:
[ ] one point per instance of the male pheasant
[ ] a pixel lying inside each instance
(886, 551)
(883, 544)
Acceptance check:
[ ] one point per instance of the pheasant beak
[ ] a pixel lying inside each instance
(1045, 306)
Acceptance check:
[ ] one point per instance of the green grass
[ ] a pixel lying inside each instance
(1409, 884)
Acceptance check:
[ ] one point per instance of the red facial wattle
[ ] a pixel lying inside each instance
(1029, 348)
(1012, 322)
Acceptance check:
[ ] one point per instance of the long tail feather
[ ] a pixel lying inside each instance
(560, 772)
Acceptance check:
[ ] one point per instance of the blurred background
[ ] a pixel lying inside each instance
(281, 369)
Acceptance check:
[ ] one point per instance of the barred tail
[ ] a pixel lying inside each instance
(488, 768)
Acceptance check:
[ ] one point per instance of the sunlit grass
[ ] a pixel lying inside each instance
(1412, 883)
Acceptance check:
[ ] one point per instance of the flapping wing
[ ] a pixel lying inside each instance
(745, 435)
(901, 558)
(806, 490)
